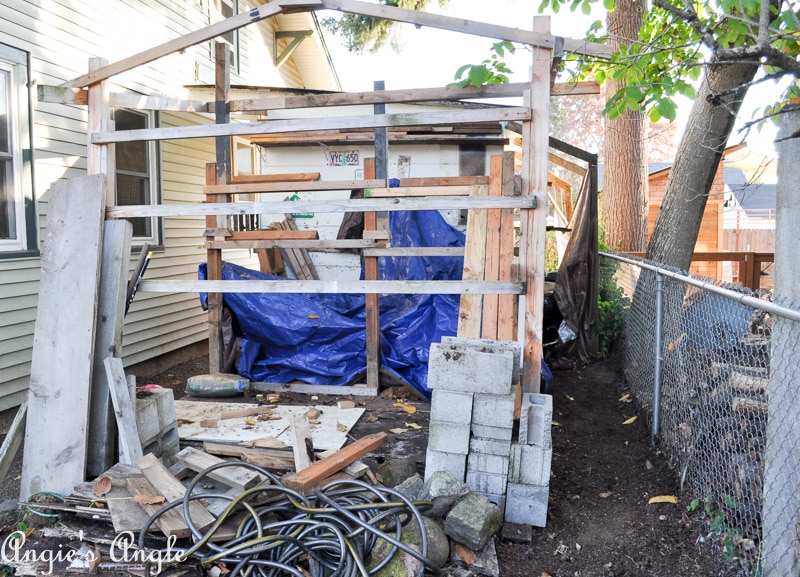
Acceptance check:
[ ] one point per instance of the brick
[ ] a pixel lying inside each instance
(486, 482)
(448, 437)
(536, 420)
(451, 406)
(490, 446)
(498, 433)
(490, 346)
(527, 504)
(454, 463)
(472, 521)
(530, 465)
(486, 463)
(493, 410)
(455, 368)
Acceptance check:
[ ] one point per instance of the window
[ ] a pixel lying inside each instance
(17, 212)
(136, 172)
(221, 10)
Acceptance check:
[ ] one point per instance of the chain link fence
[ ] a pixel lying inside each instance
(717, 369)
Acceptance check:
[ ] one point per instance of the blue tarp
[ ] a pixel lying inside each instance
(321, 338)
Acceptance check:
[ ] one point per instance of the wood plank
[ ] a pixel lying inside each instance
(326, 206)
(171, 523)
(13, 440)
(61, 367)
(312, 245)
(343, 287)
(238, 478)
(469, 311)
(533, 223)
(78, 96)
(130, 448)
(378, 96)
(266, 234)
(272, 459)
(302, 445)
(507, 309)
(216, 343)
(116, 257)
(415, 251)
(288, 186)
(492, 262)
(420, 18)
(302, 255)
(248, 412)
(326, 467)
(262, 178)
(306, 124)
(398, 191)
(575, 88)
(166, 484)
(372, 301)
(358, 390)
(126, 514)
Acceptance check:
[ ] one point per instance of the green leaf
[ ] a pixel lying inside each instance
(668, 110)
(610, 5)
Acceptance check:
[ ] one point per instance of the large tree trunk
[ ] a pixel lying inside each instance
(699, 153)
(625, 190)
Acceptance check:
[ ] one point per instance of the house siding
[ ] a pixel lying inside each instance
(61, 36)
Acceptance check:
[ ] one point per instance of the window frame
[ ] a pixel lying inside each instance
(215, 16)
(16, 63)
(155, 239)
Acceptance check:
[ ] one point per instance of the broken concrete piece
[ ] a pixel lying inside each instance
(395, 471)
(405, 565)
(472, 521)
(443, 490)
(411, 487)
(483, 562)
(516, 533)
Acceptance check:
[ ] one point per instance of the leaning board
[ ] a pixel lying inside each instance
(330, 433)
(61, 364)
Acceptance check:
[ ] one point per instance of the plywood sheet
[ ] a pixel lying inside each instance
(329, 433)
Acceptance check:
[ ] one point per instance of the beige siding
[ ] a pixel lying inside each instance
(61, 36)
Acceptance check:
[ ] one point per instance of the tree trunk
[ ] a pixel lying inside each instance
(625, 190)
(699, 153)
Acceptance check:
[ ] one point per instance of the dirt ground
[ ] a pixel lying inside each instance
(603, 474)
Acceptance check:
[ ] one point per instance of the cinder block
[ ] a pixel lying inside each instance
(462, 369)
(486, 482)
(530, 465)
(490, 346)
(454, 463)
(527, 504)
(536, 420)
(486, 463)
(147, 421)
(451, 407)
(490, 446)
(499, 500)
(448, 437)
(499, 433)
(493, 410)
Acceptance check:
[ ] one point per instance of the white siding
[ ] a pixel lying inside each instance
(61, 36)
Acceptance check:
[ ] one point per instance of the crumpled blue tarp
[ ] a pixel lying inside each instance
(321, 338)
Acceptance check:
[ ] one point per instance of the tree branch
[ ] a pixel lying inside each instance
(692, 19)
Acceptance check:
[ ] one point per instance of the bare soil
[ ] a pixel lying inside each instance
(604, 472)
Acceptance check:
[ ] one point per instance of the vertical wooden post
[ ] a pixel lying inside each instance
(471, 305)
(535, 139)
(371, 300)
(506, 305)
(492, 267)
(100, 157)
(221, 175)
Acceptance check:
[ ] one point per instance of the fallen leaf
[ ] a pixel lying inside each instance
(250, 421)
(648, 465)
(314, 421)
(264, 417)
(605, 495)
(313, 316)
(371, 419)
(631, 420)
(149, 499)
(341, 427)
(398, 404)
(626, 398)
(398, 431)
(313, 413)
(414, 426)
(663, 499)
(410, 409)
(184, 422)
(556, 424)
(545, 574)
(465, 554)
(102, 486)
(567, 396)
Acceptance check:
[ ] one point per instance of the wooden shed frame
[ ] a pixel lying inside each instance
(94, 90)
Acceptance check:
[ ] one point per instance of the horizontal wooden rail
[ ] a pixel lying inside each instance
(415, 251)
(312, 245)
(376, 186)
(448, 287)
(305, 124)
(303, 206)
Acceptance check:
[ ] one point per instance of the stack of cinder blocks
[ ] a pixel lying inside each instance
(157, 424)
(472, 426)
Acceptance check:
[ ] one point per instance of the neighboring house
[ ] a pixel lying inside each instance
(48, 42)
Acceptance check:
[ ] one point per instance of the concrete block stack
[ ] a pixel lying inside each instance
(529, 475)
(472, 423)
(157, 424)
